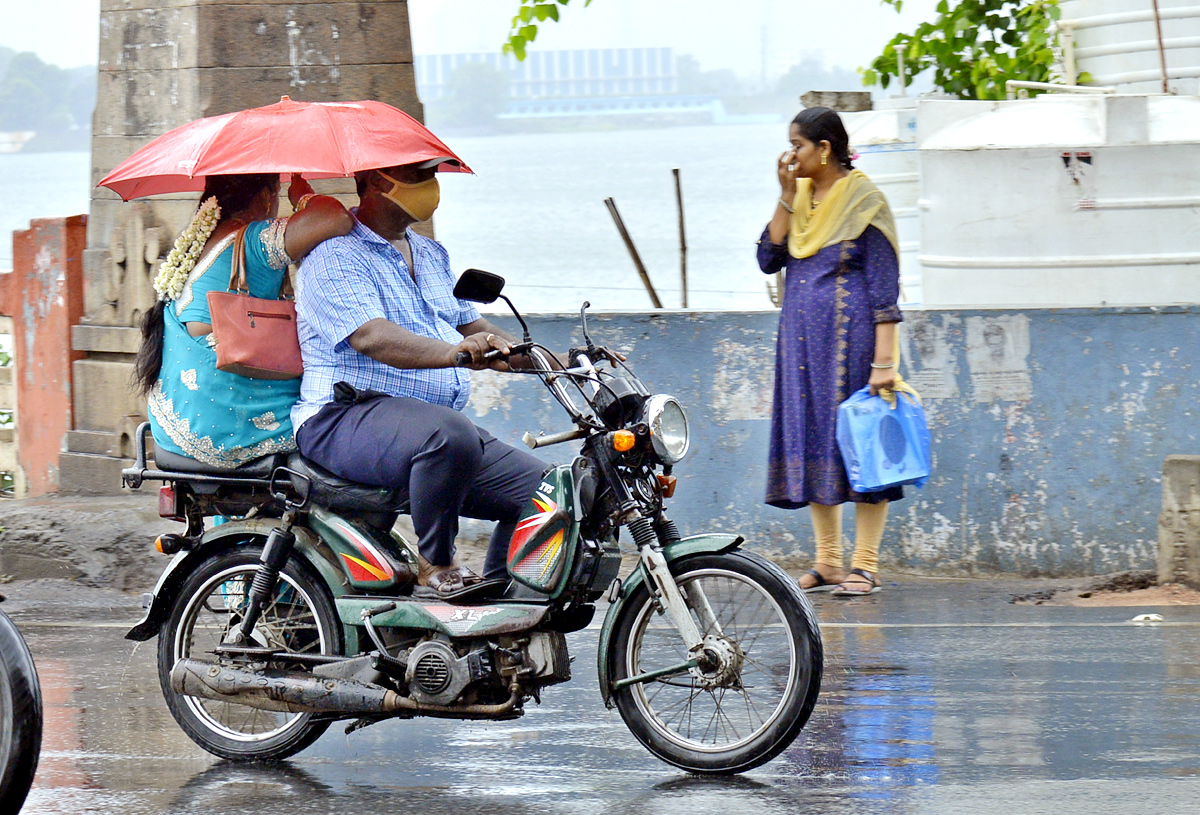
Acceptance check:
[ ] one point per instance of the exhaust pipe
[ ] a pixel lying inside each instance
(282, 691)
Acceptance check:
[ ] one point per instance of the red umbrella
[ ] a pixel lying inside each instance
(318, 139)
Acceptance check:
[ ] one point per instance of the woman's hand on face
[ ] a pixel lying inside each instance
(787, 173)
(298, 187)
(881, 378)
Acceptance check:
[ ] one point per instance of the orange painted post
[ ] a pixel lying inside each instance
(44, 299)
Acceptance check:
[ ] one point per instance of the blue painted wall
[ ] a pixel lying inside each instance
(1049, 429)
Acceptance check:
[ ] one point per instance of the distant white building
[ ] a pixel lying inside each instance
(595, 72)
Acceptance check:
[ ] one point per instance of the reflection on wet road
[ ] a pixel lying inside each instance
(939, 697)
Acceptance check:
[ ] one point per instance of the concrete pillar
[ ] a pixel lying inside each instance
(1179, 523)
(44, 298)
(165, 64)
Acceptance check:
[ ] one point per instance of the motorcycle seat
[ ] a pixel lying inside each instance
(258, 468)
(335, 492)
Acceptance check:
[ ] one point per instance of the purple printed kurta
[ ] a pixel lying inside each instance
(831, 303)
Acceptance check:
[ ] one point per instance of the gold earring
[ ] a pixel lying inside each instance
(824, 160)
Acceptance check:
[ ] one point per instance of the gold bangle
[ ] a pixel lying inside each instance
(787, 207)
(304, 199)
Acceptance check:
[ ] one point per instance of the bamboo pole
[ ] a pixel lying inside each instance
(633, 252)
(682, 239)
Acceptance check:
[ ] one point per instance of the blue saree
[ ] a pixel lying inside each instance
(219, 418)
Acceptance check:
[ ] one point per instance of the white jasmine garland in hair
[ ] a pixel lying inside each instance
(179, 263)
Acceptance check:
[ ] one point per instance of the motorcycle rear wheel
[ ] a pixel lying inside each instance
(20, 717)
(300, 618)
(745, 715)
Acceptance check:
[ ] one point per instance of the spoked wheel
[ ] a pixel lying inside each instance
(20, 717)
(300, 618)
(758, 676)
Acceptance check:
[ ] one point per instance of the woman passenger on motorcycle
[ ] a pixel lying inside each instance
(220, 418)
(834, 235)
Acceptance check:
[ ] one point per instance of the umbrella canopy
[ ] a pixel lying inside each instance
(318, 139)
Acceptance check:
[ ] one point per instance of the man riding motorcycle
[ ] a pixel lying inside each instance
(382, 395)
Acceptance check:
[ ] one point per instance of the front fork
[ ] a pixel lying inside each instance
(650, 538)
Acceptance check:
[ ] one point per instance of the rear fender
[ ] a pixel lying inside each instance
(712, 543)
(214, 542)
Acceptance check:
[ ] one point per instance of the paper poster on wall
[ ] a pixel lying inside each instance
(998, 358)
(929, 362)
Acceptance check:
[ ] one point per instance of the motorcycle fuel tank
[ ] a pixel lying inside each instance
(543, 544)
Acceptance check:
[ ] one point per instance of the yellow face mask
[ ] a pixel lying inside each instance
(418, 200)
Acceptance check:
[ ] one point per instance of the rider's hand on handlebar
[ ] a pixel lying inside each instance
(614, 357)
(476, 346)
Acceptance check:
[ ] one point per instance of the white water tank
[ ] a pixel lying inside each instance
(885, 138)
(1062, 200)
(1126, 43)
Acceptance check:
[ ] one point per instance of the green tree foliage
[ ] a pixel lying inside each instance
(974, 47)
(41, 97)
(812, 74)
(525, 23)
(692, 80)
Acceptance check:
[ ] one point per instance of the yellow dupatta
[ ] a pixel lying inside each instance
(850, 206)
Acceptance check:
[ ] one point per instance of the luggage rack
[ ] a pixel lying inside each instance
(132, 477)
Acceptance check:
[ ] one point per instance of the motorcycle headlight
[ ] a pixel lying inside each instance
(668, 428)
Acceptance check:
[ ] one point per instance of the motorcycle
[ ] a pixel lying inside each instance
(300, 610)
(20, 717)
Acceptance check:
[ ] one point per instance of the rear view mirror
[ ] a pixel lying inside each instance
(479, 286)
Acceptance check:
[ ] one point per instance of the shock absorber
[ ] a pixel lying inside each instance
(274, 556)
(643, 532)
(666, 530)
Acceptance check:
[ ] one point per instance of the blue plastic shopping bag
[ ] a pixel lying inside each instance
(884, 445)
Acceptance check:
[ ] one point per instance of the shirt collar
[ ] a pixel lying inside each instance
(365, 233)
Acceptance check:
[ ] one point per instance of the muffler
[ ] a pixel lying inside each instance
(282, 691)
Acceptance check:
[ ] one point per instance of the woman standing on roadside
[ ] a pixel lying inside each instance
(216, 417)
(834, 235)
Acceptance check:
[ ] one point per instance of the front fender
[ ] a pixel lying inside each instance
(710, 543)
(213, 542)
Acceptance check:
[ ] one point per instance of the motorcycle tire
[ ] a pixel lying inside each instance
(742, 714)
(20, 717)
(300, 618)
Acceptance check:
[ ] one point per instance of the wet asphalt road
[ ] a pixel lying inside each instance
(939, 697)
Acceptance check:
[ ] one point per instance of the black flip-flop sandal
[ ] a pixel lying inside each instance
(872, 586)
(821, 585)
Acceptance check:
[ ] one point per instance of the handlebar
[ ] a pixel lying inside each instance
(535, 442)
(462, 359)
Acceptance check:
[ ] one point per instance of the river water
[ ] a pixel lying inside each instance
(534, 212)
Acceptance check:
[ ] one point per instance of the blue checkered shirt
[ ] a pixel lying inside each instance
(346, 282)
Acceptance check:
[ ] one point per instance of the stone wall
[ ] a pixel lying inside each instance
(1050, 427)
(165, 64)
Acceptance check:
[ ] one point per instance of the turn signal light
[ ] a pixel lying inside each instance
(169, 544)
(624, 440)
(667, 482)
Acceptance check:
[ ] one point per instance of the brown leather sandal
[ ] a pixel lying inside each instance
(454, 582)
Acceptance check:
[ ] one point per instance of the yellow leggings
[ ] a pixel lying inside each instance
(869, 520)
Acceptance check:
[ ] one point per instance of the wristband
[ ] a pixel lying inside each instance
(877, 366)
(304, 199)
(786, 206)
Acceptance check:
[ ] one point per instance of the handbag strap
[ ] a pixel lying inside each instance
(237, 270)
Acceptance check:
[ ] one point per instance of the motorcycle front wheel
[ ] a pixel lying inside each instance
(754, 693)
(20, 717)
(299, 618)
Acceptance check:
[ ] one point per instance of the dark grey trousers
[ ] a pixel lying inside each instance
(447, 465)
